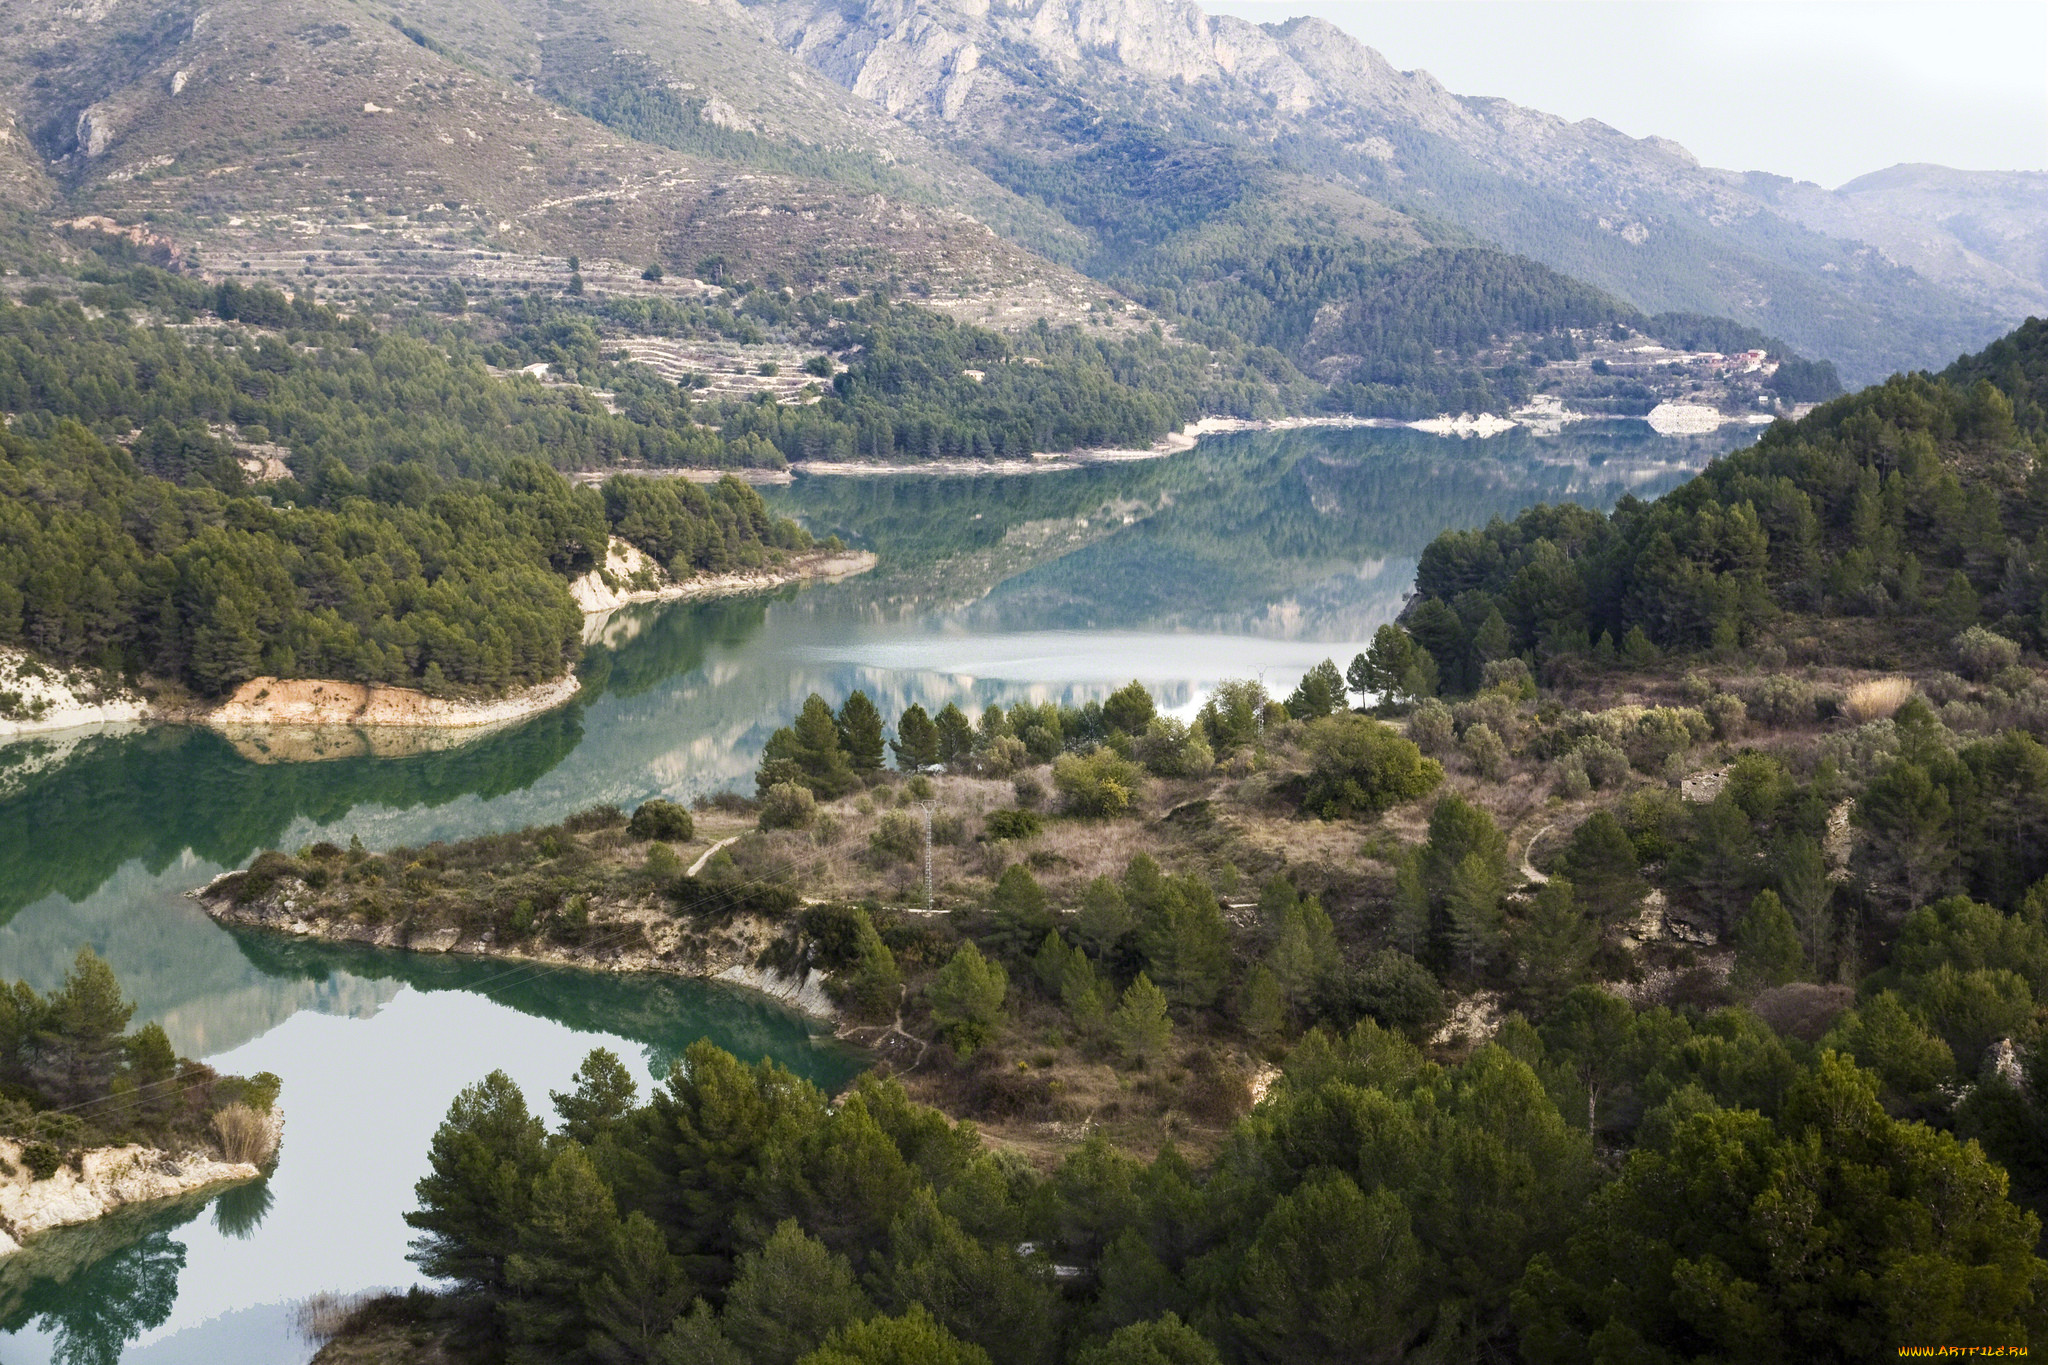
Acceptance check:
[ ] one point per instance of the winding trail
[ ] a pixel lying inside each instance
(705, 857)
(1529, 871)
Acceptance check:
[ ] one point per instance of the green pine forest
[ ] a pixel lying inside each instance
(420, 539)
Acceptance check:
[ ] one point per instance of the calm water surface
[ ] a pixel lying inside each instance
(1251, 556)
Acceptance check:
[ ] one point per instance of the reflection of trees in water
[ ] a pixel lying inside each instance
(663, 1013)
(644, 645)
(153, 795)
(98, 1286)
(1312, 521)
(241, 1210)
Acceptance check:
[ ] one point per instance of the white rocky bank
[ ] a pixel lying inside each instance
(111, 1178)
(35, 696)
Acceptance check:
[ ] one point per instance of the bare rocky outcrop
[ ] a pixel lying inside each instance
(637, 578)
(106, 1179)
(641, 937)
(37, 697)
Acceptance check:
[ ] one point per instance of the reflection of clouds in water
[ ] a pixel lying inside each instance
(1079, 658)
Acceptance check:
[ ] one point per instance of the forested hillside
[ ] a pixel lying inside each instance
(1917, 503)
(418, 539)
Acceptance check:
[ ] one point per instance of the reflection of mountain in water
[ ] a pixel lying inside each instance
(1308, 534)
(155, 795)
(665, 1014)
(171, 962)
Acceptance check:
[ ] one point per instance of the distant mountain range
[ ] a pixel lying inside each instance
(1905, 268)
(1005, 161)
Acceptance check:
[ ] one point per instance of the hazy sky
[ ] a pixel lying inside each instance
(1823, 90)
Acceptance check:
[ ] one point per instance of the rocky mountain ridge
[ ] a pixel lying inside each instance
(1638, 216)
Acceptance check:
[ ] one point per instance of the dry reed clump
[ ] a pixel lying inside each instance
(1877, 699)
(320, 1318)
(243, 1133)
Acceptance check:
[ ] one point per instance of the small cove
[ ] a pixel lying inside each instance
(1254, 555)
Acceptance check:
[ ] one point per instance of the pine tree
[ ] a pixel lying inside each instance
(789, 1296)
(967, 998)
(812, 746)
(1601, 862)
(1140, 1025)
(604, 1094)
(1472, 915)
(1129, 709)
(476, 1193)
(1767, 948)
(956, 735)
(916, 745)
(79, 1037)
(860, 732)
(1264, 1011)
(1555, 943)
(872, 986)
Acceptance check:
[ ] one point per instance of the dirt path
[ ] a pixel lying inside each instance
(880, 1042)
(1529, 872)
(705, 857)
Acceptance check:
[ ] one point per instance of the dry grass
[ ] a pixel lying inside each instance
(1877, 698)
(321, 1317)
(244, 1134)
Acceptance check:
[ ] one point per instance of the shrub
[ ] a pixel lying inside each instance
(1726, 713)
(243, 1134)
(660, 819)
(1030, 791)
(899, 838)
(1012, 824)
(42, 1160)
(1660, 733)
(1170, 749)
(1946, 687)
(1483, 747)
(1363, 768)
(597, 817)
(1004, 755)
(1490, 709)
(1569, 778)
(1399, 992)
(1982, 653)
(788, 805)
(1430, 726)
(663, 862)
(919, 788)
(1101, 784)
(1783, 701)
(1606, 765)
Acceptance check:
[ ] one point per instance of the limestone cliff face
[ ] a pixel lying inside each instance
(1637, 216)
(958, 62)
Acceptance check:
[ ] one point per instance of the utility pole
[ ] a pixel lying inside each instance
(925, 806)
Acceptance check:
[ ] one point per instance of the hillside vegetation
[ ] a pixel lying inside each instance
(1551, 993)
(416, 539)
(1889, 519)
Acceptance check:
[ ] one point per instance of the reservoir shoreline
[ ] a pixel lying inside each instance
(51, 700)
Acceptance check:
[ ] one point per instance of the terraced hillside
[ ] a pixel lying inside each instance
(267, 133)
